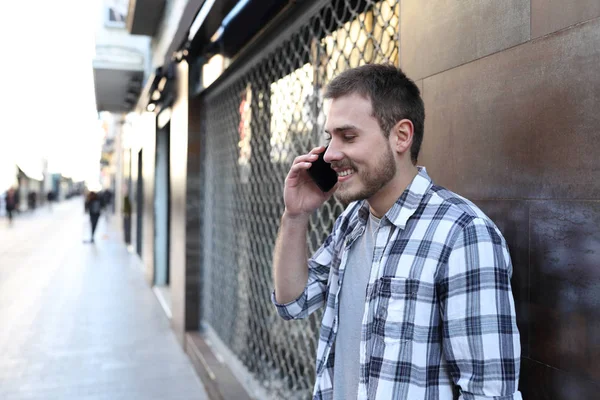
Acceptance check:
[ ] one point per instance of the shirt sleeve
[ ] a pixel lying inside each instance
(315, 292)
(481, 339)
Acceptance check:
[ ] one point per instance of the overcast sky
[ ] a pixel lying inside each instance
(48, 105)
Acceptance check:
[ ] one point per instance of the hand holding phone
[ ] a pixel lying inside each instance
(309, 183)
(322, 173)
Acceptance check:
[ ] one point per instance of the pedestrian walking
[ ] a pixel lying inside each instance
(11, 203)
(93, 205)
(32, 200)
(107, 197)
(50, 198)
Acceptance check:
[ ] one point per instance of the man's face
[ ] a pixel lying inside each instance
(358, 150)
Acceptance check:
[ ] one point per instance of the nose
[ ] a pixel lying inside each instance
(332, 153)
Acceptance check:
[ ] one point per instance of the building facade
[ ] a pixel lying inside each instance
(511, 98)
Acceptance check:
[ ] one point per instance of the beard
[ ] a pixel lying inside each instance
(372, 179)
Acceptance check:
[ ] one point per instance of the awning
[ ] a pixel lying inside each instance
(30, 172)
(144, 16)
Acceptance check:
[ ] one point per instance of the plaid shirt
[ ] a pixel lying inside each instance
(439, 317)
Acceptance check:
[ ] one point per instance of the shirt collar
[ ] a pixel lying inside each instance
(407, 203)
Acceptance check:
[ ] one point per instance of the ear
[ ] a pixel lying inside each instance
(401, 136)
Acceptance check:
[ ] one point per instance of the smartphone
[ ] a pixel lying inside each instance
(322, 173)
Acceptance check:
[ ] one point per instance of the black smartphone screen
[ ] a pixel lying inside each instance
(322, 174)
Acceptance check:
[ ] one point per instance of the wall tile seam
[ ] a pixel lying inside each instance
(541, 363)
(566, 28)
(530, 19)
(425, 78)
(531, 40)
(578, 376)
(529, 247)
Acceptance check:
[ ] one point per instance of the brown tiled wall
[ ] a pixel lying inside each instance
(512, 97)
(441, 34)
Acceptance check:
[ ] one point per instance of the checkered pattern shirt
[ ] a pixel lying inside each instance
(439, 317)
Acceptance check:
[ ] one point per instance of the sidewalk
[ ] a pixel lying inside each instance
(78, 321)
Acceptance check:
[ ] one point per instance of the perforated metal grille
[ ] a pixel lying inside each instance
(253, 129)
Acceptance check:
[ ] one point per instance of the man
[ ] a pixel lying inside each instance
(414, 278)
(11, 203)
(50, 198)
(93, 205)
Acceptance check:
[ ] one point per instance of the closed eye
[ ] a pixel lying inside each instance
(345, 133)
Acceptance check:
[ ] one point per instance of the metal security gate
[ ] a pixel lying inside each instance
(253, 127)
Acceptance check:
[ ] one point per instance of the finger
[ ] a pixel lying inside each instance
(296, 173)
(317, 150)
(311, 156)
(305, 158)
(296, 168)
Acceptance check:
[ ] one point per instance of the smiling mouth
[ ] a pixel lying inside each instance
(347, 172)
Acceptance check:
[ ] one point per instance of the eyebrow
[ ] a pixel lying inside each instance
(342, 129)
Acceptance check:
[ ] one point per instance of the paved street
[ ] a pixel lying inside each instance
(78, 321)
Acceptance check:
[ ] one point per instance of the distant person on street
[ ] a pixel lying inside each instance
(50, 198)
(93, 206)
(12, 203)
(107, 198)
(32, 200)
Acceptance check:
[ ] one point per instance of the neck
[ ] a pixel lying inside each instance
(385, 198)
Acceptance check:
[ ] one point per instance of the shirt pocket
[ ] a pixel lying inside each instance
(395, 300)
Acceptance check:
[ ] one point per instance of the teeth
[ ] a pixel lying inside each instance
(345, 173)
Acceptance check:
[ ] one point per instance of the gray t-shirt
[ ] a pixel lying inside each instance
(346, 367)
